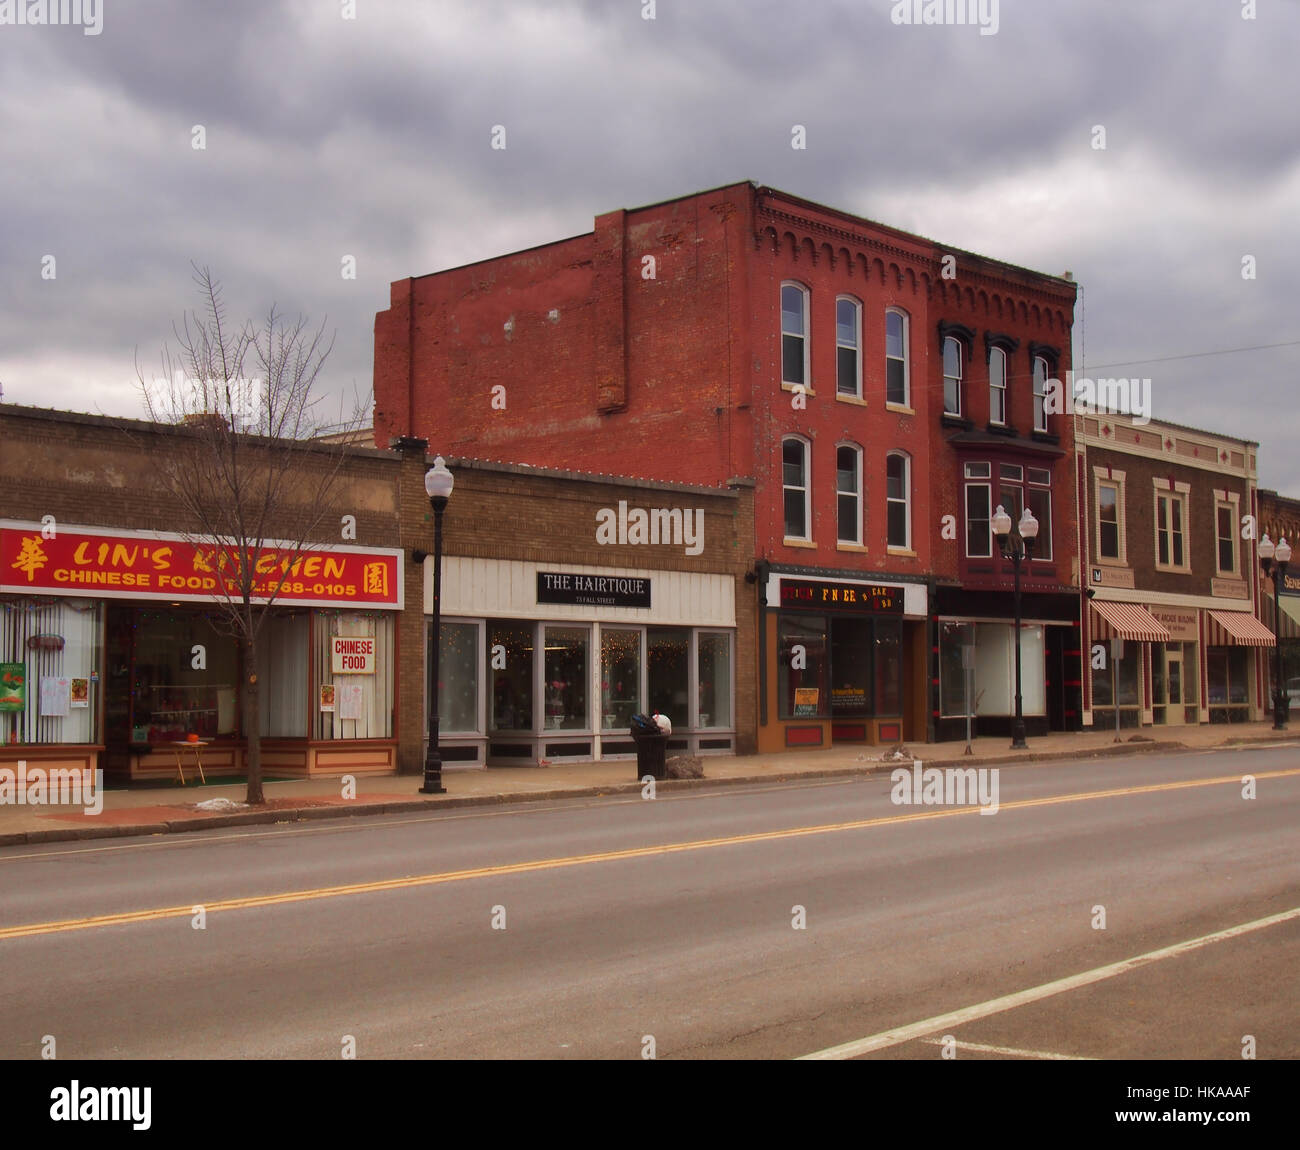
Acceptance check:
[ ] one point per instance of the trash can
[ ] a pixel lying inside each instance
(651, 744)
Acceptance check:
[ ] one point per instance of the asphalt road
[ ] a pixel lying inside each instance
(595, 928)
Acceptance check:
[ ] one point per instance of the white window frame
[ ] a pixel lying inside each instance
(906, 404)
(1040, 396)
(959, 377)
(906, 501)
(806, 336)
(856, 304)
(996, 389)
(1115, 479)
(806, 446)
(1231, 502)
(856, 494)
(1176, 493)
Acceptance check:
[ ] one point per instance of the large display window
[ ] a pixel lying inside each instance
(510, 657)
(715, 688)
(355, 704)
(50, 662)
(458, 676)
(620, 677)
(668, 672)
(564, 678)
(185, 677)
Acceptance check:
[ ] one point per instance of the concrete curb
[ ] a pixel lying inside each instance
(407, 806)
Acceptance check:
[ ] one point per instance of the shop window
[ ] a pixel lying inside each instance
(801, 639)
(848, 489)
(1121, 675)
(459, 649)
(850, 667)
(354, 705)
(620, 677)
(1227, 672)
(50, 660)
(668, 672)
(282, 655)
(897, 390)
(715, 678)
(564, 678)
(898, 483)
(794, 478)
(888, 668)
(848, 340)
(952, 376)
(794, 334)
(995, 669)
(952, 675)
(186, 678)
(510, 663)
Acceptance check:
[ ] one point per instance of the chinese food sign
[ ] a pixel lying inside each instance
(136, 565)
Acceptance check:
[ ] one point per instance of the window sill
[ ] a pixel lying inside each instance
(904, 551)
(797, 388)
(900, 408)
(1168, 569)
(1102, 561)
(856, 547)
(855, 400)
(806, 543)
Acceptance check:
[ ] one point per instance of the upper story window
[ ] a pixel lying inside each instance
(997, 385)
(979, 511)
(1038, 498)
(898, 499)
(848, 347)
(794, 334)
(848, 492)
(1226, 505)
(1108, 502)
(794, 480)
(1040, 393)
(952, 361)
(1171, 530)
(897, 389)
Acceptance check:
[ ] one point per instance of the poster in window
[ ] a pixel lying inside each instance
(55, 696)
(81, 692)
(805, 701)
(327, 697)
(13, 687)
(349, 698)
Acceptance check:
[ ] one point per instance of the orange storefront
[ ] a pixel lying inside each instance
(113, 654)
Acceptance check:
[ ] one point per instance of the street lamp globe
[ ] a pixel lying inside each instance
(1001, 522)
(1028, 525)
(1266, 547)
(1283, 551)
(438, 480)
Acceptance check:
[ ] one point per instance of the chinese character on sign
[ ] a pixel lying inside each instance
(376, 578)
(32, 558)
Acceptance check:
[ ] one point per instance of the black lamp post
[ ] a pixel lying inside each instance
(1016, 547)
(1273, 559)
(438, 482)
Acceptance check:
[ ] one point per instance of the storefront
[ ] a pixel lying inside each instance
(843, 660)
(115, 653)
(540, 661)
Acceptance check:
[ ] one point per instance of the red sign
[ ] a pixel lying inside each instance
(137, 565)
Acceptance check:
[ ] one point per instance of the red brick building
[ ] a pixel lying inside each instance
(745, 333)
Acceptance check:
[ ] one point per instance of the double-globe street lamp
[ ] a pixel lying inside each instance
(1273, 559)
(1017, 548)
(438, 483)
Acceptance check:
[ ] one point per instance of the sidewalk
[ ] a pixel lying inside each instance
(168, 808)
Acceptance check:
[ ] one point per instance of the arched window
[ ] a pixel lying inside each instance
(796, 488)
(997, 385)
(848, 492)
(952, 362)
(897, 390)
(848, 347)
(898, 500)
(794, 334)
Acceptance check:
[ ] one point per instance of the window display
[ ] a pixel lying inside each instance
(50, 655)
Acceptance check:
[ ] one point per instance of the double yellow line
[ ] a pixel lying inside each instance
(129, 917)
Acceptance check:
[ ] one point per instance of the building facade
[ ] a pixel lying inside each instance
(1167, 531)
(848, 369)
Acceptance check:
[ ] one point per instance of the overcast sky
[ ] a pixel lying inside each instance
(329, 137)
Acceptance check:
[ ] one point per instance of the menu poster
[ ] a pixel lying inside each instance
(327, 696)
(81, 692)
(349, 696)
(56, 694)
(13, 687)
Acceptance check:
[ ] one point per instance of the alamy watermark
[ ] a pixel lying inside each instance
(89, 14)
(945, 787)
(672, 526)
(1079, 395)
(242, 400)
(55, 786)
(981, 12)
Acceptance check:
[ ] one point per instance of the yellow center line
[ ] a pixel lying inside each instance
(133, 916)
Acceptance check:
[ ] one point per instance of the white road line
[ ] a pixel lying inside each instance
(993, 1006)
(1012, 1052)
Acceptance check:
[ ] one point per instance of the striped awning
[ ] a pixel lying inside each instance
(1128, 621)
(1288, 619)
(1236, 629)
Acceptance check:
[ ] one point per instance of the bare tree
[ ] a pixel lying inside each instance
(247, 471)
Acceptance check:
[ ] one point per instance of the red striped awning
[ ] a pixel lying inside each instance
(1236, 629)
(1128, 621)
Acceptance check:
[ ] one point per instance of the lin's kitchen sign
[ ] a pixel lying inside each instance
(592, 590)
(834, 596)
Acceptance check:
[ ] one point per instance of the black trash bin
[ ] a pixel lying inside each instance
(651, 744)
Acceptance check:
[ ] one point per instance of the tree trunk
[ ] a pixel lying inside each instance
(253, 730)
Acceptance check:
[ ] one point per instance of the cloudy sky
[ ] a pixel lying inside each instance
(329, 136)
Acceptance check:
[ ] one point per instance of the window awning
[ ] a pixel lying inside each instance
(1236, 629)
(1128, 621)
(1288, 619)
